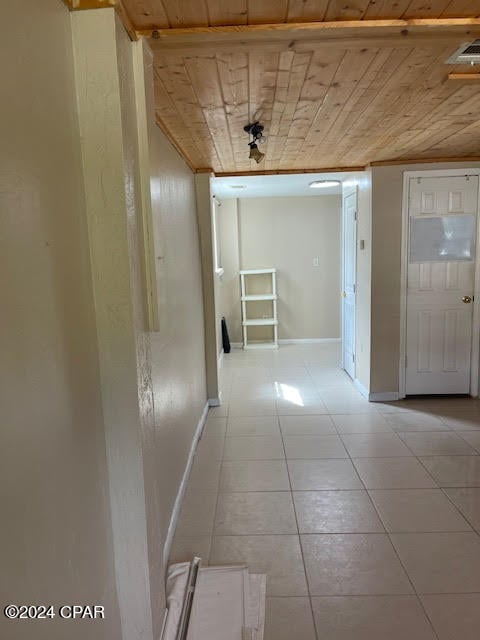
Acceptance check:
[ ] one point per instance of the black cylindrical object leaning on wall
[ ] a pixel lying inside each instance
(225, 338)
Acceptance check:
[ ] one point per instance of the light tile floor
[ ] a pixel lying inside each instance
(364, 516)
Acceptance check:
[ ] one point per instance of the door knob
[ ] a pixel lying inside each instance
(344, 294)
(466, 299)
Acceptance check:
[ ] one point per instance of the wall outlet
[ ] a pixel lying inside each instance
(316, 262)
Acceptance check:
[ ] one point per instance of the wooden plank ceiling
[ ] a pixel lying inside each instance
(342, 102)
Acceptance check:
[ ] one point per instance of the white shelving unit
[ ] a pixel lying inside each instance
(270, 296)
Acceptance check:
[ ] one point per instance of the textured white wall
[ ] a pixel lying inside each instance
(287, 233)
(177, 351)
(103, 69)
(210, 283)
(56, 537)
(229, 288)
(156, 517)
(166, 368)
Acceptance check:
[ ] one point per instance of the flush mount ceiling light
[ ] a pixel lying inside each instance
(237, 186)
(256, 131)
(324, 184)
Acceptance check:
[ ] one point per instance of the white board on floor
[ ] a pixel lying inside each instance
(228, 603)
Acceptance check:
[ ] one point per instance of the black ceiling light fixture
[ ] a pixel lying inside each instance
(256, 131)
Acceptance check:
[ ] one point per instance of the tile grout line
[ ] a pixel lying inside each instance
(462, 515)
(466, 441)
(417, 595)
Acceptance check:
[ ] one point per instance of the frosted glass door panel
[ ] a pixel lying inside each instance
(442, 238)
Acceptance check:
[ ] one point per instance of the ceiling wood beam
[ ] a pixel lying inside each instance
(464, 76)
(453, 27)
(206, 49)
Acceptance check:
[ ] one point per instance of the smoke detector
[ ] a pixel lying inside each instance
(468, 53)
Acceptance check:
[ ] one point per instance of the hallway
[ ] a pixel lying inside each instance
(364, 516)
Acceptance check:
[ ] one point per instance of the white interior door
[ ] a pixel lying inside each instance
(440, 284)
(349, 271)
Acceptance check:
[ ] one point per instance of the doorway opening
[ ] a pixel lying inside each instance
(308, 236)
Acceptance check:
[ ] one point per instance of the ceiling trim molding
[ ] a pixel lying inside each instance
(281, 172)
(386, 163)
(380, 163)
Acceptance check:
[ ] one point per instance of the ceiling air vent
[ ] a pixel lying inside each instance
(468, 53)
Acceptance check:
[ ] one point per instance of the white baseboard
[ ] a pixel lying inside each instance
(215, 402)
(183, 485)
(360, 387)
(384, 396)
(239, 345)
(309, 340)
(220, 358)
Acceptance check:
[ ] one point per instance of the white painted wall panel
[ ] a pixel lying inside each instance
(56, 537)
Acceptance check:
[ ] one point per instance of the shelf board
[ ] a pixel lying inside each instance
(259, 322)
(261, 296)
(253, 272)
(261, 345)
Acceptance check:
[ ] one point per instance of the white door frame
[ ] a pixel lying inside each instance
(475, 347)
(348, 191)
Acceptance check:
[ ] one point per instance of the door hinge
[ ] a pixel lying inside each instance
(354, 288)
(355, 215)
(353, 357)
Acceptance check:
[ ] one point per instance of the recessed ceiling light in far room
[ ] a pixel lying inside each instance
(324, 184)
(237, 186)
